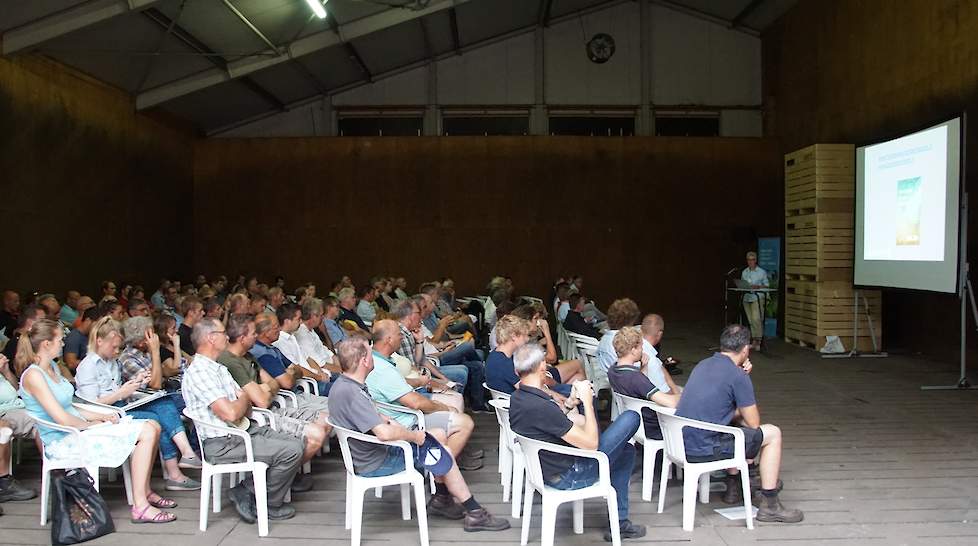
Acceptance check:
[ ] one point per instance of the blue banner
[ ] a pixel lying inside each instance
(769, 259)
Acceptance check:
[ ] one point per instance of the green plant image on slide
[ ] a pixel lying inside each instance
(908, 199)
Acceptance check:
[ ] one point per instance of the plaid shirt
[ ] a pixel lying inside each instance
(134, 361)
(205, 382)
(407, 344)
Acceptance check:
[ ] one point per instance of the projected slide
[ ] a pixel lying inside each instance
(906, 183)
(907, 209)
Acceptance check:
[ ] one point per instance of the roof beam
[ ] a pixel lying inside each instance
(546, 6)
(456, 41)
(355, 56)
(750, 8)
(418, 64)
(218, 61)
(261, 36)
(298, 48)
(58, 24)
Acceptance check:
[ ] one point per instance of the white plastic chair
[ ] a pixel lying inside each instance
(511, 463)
(91, 465)
(651, 447)
(308, 385)
(357, 485)
(503, 452)
(210, 474)
(699, 473)
(106, 408)
(552, 497)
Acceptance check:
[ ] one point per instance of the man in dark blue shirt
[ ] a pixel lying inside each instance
(720, 391)
(535, 414)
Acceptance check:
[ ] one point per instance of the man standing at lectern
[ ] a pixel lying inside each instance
(757, 278)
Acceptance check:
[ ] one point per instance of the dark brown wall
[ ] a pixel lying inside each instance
(657, 219)
(89, 190)
(848, 71)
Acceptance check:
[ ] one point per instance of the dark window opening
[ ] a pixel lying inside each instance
(485, 125)
(592, 126)
(380, 126)
(691, 126)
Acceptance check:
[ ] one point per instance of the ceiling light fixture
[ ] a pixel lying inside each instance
(317, 8)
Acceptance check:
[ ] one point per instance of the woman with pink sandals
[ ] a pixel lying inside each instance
(48, 395)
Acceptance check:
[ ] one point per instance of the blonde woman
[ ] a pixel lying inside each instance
(48, 395)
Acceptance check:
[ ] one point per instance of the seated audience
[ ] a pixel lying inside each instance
(9, 313)
(25, 320)
(76, 344)
(575, 322)
(14, 417)
(331, 328)
(192, 310)
(366, 309)
(47, 395)
(627, 377)
(262, 388)
(276, 297)
(621, 313)
(138, 308)
(214, 397)
(285, 372)
(720, 391)
(408, 317)
(563, 371)
(534, 413)
(112, 308)
(100, 379)
(289, 316)
(562, 301)
(352, 409)
(313, 346)
(387, 385)
(653, 328)
(69, 311)
(348, 302)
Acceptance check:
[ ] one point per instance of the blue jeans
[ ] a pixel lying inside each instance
(459, 374)
(164, 412)
(466, 355)
(324, 386)
(613, 443)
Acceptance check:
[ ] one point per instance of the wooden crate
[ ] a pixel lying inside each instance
(819, 246)
(814, 310)
(820, 178)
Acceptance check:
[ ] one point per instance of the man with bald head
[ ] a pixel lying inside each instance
(387, 385)
(653, 327)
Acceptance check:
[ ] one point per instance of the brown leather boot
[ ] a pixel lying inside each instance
(735, 492)
(770, 509)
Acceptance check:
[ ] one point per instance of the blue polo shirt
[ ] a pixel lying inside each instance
(714, 391)
(630, 381)
(270, 358)
(501, 372)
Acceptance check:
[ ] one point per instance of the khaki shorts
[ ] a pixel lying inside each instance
(19, 421)
(440, 419)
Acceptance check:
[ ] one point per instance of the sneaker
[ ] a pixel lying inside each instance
(192, 461)
(627, 529)
(302, 483)
(475, 453)
(483, 409)
(468, 462)
(445, 506)
(244, 503)
(16, 492)
(187, 484)
(674, 370)
(482, 520)
(735, 492)
(771, 510)
(286, 511)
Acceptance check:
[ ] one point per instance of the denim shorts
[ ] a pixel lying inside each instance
(393, 464)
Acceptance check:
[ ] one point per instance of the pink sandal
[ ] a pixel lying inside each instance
(156, 501)
(139, 516)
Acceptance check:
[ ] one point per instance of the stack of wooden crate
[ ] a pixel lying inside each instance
(819, 295)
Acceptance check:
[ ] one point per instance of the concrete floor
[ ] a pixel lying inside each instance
(869, 457)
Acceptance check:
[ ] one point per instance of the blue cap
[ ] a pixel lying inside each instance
(434, 457)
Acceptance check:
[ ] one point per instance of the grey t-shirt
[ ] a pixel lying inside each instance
(351, 407)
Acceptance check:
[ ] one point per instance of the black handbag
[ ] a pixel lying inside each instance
(79, 513)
